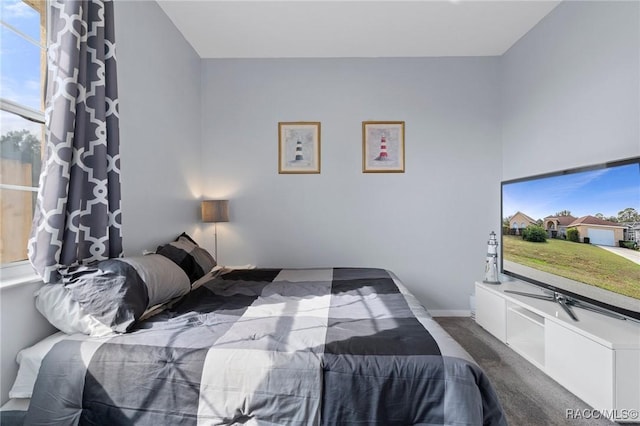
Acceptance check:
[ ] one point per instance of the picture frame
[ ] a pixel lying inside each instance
(299, 147)
(383, 147)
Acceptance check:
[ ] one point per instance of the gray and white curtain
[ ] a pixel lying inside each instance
(77, 219)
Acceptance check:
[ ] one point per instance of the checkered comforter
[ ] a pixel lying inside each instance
(272, 347)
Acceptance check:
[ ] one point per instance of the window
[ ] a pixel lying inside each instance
(22, 74)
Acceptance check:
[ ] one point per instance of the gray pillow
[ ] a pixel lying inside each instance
(164, 279)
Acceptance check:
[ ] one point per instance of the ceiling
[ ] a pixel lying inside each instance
(320, 29)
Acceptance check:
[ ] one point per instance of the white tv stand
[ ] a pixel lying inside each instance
(596, 358)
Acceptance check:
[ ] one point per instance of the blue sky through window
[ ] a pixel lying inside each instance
(20, 79)
(22, 17)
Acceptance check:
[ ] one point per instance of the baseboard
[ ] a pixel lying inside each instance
(450, 313)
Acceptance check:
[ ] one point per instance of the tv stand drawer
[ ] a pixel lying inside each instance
(525, 334)
(581, 365)
(490, 313)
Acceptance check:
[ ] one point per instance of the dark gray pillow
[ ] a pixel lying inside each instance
(194, 260)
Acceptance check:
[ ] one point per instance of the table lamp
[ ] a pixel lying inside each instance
(214, 211)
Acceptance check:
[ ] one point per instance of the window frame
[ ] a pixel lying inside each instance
(17, 272)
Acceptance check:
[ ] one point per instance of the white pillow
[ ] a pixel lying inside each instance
(29, 360)
(63, 312)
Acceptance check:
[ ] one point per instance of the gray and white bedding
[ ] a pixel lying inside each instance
(271, 347)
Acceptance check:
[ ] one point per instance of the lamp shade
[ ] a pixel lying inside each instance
(215, 211)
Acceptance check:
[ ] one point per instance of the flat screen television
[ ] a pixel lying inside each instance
(576, 233)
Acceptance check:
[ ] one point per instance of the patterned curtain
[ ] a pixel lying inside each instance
(77, 219)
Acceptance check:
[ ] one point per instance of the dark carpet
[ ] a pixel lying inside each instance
(528, 396)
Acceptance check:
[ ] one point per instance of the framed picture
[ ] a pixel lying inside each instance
(299, 147)
(383, 146)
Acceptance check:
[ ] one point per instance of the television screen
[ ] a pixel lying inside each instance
(577, 232)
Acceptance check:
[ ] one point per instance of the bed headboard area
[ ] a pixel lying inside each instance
(21, 325)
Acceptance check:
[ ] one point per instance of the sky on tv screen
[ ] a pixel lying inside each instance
(606, 191)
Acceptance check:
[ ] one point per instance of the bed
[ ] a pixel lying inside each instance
(172, 338)
(270, 347)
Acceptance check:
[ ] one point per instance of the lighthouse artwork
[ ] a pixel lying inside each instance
(299, 155)
(383, 146)
(299, 147)
(383, 156)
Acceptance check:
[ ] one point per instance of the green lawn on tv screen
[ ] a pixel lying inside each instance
(577, 261)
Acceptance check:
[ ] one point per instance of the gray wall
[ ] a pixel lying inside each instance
(570, 89)
(429, 225)
(566, 95)
(159, 88)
